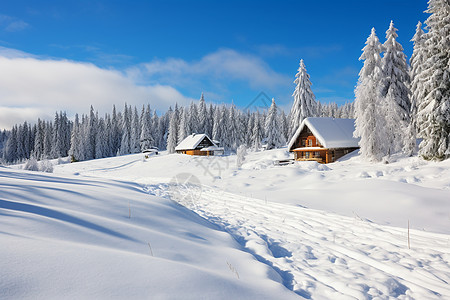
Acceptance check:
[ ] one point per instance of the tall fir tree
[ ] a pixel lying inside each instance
(135, 132)
(433, 114)
(183, 127)
(74, 151)
(147, 139)
(125, 143)
(202, 116)
(217, 125)
(416, 66)
(369, 120)
(395, 94)
(48, 128)
(272, 127)
(101, 140)
(256, 132)
(192, 119)
(173, 132)
(10, 150)
(304, 100)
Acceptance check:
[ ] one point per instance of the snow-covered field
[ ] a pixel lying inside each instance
(337, 231)
(63, 237)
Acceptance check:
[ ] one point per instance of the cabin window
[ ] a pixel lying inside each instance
(310, 143)
(307, 154)
(303, 142)
(317, 154)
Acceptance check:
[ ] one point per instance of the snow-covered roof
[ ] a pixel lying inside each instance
(330, 132)
(192, 141)
(307, 148)
(212, 148)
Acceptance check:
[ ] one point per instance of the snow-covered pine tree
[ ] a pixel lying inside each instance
(20, 153)
(10, 150)
(284, 128)
(368, 124)
(304, 100)
(217, 125)
(192, 119)
(256, 132)
(125, 144)
(101, 140)
(233, 127)
(249, 129)
(225, 123)
(38, 151)
(272, 128)
(163, 127)
(202, 116)
(90, 134)
(109, 136)
(210, 120)
(416, 66)
(135, 132)
(319, 109)
(156, 130)
(116, 135)
(433, 114)
(57, 138)
(395, 94)
(241, 152)
(147, 139)
(48, 128)
(173, 132)
(183, 127)
(74, 151)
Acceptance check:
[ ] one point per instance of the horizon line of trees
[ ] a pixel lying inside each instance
(129, 131)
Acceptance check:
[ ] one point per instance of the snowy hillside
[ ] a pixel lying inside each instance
(64, 237)
(336, 231)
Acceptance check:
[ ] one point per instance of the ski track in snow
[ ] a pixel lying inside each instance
(322, 255)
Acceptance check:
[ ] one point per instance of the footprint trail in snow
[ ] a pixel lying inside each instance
(323, 255)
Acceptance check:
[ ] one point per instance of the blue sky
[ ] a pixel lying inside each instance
(167, 51)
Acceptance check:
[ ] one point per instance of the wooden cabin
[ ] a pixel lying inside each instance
(198, 144)
(324, 140)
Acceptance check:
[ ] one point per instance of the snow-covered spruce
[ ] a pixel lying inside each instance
(304, 100)
(369, 123)
(433, 115)
(396, 105)
(274, 136)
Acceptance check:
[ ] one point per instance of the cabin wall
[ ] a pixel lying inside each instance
(339, 152)
(314, 155)
(196, 152)
(322, 156)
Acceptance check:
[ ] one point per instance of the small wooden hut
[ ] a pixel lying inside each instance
(198, 144)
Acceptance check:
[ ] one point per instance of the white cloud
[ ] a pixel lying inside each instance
(16, 26)
(224, 64)
(31, 87)
(12, 115)
(11, 24)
